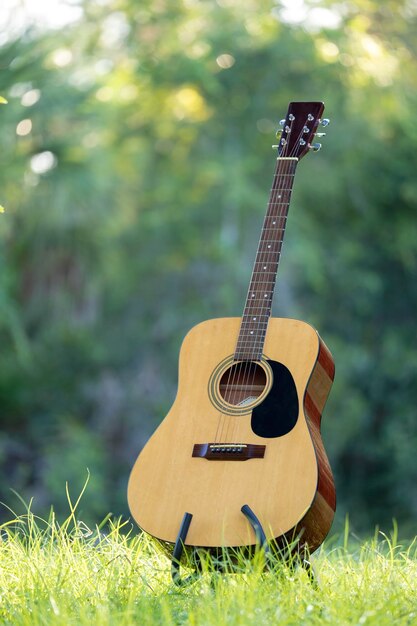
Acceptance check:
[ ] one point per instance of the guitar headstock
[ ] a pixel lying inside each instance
(299, 129)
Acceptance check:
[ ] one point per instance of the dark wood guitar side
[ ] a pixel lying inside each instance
(244, 428)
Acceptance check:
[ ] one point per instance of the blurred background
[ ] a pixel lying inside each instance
(135, 166)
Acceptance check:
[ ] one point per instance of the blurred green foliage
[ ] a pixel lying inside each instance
(135, 166)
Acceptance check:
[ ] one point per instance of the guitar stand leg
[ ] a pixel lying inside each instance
(262, 542)
(257, 528)
(177, 553)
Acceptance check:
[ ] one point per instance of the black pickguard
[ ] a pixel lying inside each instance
(278, 413)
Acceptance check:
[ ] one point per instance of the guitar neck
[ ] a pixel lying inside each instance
(258, 305)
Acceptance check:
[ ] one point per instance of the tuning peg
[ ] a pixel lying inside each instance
(320, 135)
(324, 122)
(281, 122)
(275, 147)
(279, 133)
(315, 147)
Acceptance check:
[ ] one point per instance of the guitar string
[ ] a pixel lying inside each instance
(280, 184)
(287, 170)
(246, 367)
(282, 216)
(237, 368)
(280, 178)
(250, 368)
(232, 389)
(268, 282)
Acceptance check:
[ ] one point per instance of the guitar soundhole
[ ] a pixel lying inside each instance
(242, 383)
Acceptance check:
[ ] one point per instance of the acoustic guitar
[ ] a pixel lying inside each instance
(240, 451)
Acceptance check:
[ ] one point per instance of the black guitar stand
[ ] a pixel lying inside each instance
(261, 541)
(178, 550)
(257, 527)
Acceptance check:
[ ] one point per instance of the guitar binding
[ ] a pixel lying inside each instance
(177, 554)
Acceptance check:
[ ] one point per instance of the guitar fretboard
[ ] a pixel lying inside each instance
(258, 305)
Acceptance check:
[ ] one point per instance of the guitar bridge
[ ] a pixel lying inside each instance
(228, 451)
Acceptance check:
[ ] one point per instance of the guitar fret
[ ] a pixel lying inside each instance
(267, 250)
(245, 319)
(252, 337)
(251, 314)
(255, 342)
(254, 327)
(263, 299)
(258, 346)
(251, 349)
(263, 251)
(259, 304)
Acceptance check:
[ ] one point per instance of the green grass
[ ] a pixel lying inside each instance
(68, 574)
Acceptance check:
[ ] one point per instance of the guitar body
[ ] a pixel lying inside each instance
(290, 487)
